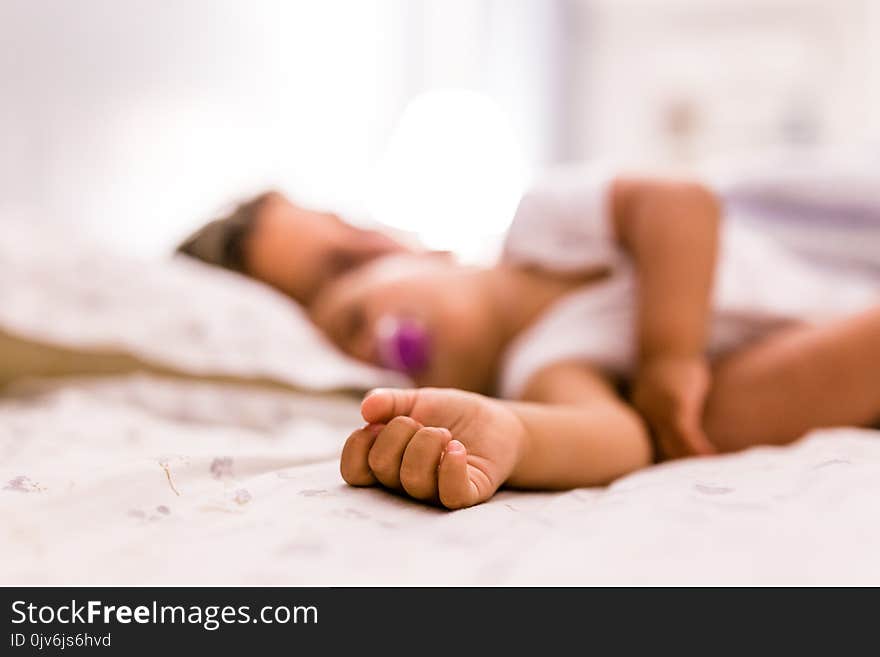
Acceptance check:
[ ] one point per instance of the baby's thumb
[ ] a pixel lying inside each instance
(384, 404)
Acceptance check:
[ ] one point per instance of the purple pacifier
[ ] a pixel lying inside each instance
(403, 344)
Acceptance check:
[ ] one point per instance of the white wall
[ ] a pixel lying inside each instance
(137, 119)
(679, 81)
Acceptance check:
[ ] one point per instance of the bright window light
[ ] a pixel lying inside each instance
(452, 174)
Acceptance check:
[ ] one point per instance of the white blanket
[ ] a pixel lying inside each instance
(142, 481)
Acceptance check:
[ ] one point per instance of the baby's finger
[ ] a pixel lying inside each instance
(689, 435)
(387, 452)
(418, 470)
(383, 404)
(691, 426)
(353, 464)
(697, 443)
(454, 485)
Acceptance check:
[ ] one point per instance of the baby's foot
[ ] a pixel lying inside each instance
(437, 445)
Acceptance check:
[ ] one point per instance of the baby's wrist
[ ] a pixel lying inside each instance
(523, 446)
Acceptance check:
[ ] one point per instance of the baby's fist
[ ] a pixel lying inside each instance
(436, 445)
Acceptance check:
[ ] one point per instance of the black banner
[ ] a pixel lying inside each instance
(414, 620)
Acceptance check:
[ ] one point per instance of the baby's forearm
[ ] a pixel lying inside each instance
(671, 230)
(575, 446)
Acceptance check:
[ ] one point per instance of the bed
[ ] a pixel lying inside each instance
(167, 424)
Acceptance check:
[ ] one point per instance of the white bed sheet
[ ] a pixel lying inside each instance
(252, 495)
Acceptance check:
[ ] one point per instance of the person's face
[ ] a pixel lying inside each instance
(297, 250)
(427, 289)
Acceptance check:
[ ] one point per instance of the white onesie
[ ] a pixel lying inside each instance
(563, 224)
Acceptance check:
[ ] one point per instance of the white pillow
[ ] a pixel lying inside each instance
(178, 314)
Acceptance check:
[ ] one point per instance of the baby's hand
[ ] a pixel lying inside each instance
(437, 445)
(670, 393)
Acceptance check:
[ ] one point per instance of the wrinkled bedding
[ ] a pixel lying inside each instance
(144, 480)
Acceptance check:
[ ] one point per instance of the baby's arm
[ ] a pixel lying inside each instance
(457, 448)
(579, 431)
(671, 231)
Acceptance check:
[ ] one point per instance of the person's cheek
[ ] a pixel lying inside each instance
(360, 344)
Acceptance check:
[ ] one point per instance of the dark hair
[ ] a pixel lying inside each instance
(221, 242)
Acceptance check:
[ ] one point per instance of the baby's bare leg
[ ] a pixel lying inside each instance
(800, 378)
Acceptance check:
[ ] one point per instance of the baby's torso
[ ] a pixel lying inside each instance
(759, 286)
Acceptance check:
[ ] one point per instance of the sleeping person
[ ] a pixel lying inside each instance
(625, 321)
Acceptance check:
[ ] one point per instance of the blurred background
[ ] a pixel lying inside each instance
(136, 120)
